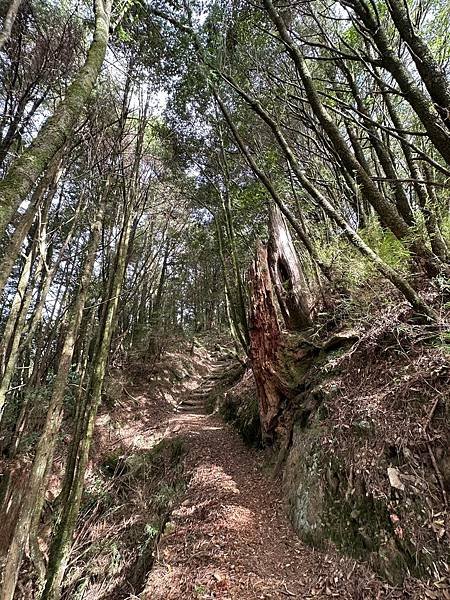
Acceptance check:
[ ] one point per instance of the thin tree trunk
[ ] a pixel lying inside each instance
(226, 202)
(15, 327)
(431, 73)
(382, 153)
(272, 191)
(62, 543)
(395, 278)
(155, 317)
(8, 21)
(386, 210)
(235, 325)
(438, 243)
(418, 100)
(48, 280)
(34, 495)
(47, 185)
(33, 162)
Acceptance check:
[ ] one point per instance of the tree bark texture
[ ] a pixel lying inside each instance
(33, 162)
(8, 21)
(290, 285)
(265, 340)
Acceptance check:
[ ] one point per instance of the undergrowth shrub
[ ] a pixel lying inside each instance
(353, 269)
(131, 496)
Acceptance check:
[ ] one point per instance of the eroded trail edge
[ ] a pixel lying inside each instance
(229, 536)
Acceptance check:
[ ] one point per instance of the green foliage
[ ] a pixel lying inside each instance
(445, 228)
(151, 531)
(98, 492)
(164, 496)
(387, 246)
(200, 590)
(436, 30)
(354, 270)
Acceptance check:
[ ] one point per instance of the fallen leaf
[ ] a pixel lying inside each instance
(394, 478)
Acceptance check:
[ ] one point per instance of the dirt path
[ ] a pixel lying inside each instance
(230, 538)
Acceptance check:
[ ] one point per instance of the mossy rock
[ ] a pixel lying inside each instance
(304, 485)
(324, 507)
(167, 451)
(245, 417)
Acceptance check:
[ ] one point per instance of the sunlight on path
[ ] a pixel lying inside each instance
(230, 538)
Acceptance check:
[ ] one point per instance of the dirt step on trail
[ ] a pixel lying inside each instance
(230, 537)
(193, 402)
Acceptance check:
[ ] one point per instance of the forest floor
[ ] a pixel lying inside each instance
(177, 507)
(229, 536)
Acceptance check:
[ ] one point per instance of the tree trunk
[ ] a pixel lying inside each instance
(155, 317)
(47, 186)
(418, 100)
(241, 303)
(425, 199)
(381, 151)
(385, 209)
(8, 21)
(262, 177)
(33, 162)
(265, 340)
(292, 291)
(355, 239)
(62, 543)
(431, 73)
(16, 326)
(234, 322)
(34, 495)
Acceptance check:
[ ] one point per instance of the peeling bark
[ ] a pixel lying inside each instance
(290, 285)
(265, 340)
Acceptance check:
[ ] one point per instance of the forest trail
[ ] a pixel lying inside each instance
(229, 537)
(186, 187)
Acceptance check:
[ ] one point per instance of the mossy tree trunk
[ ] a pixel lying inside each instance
(386, 210)
(62, 542)
(354, 238)
(407, 82)
(45, 189)
(26, 170)
(34, 495)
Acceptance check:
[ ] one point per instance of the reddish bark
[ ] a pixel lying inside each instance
(265, 340)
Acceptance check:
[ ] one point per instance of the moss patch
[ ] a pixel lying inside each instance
(245, 417)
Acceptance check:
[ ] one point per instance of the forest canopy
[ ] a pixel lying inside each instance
(159, 159)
